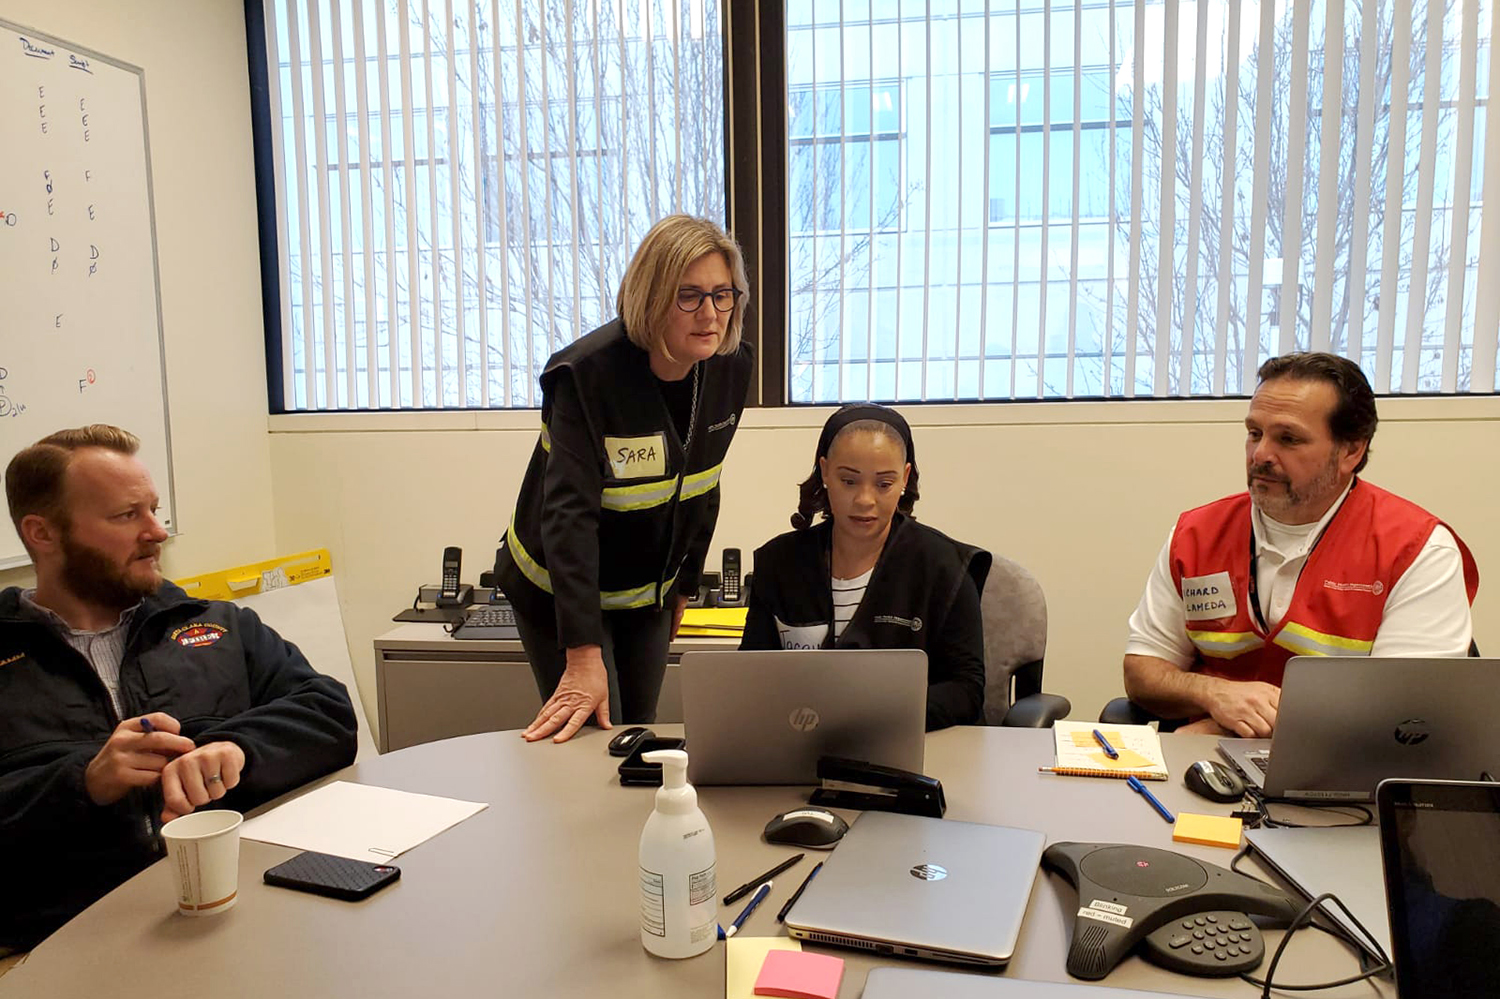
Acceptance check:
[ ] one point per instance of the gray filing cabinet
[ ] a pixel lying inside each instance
(431, 686)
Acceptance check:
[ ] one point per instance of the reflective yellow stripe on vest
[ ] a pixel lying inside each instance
(1225, 644)
(639, 497)
(546, 439)
(640, 596)
(1306, 642)
(701, 482)
(530, 568)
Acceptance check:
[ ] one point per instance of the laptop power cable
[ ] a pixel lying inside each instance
(1305, 918)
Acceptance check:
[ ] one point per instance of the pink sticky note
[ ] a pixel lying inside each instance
(799, 974)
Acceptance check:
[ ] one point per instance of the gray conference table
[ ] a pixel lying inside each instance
(538, 893)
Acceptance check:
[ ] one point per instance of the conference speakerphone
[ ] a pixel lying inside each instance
(1178, 905)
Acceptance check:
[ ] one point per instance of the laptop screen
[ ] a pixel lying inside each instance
(1441, 847)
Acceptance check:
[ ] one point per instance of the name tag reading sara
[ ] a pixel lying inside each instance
(637, 457)
(1208, 598)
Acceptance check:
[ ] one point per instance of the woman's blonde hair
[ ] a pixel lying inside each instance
(649, 289)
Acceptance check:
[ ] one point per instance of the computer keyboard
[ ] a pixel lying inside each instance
(488, 622)
(490, 617)
(1261, 759)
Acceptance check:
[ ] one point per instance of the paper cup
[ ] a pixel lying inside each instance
(203, 852)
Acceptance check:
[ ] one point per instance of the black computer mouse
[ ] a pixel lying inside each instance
(1214, 781)
(808, 826)
(626, 741)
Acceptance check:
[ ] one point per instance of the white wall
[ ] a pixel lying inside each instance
(198, 110)
(1081, 493)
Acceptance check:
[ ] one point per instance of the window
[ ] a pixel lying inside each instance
(459, 185)
(1090, 199)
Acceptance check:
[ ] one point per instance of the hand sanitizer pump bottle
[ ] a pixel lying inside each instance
(679, 889)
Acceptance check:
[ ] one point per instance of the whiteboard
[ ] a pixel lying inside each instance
(80, 303)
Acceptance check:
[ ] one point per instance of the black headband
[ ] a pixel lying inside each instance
(867, 411)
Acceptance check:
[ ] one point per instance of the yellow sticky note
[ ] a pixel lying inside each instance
(1207, 830)
(743, 957)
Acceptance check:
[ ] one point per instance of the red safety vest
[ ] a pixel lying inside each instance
(1340, 596)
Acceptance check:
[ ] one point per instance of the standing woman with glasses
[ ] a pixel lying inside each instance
(621, 496)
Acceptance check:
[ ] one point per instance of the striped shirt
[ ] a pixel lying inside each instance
(104, 650)
(847, 593)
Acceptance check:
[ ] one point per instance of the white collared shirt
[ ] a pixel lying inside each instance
(1426, 614)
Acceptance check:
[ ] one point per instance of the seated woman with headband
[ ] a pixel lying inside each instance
(867, 575)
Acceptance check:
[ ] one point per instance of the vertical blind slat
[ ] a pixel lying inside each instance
(1416, 299)
(1137, 186)
(1255, 294)
(1166, 228)
(1395, 171)
(1195, 206)
(1331, 126)
(1226, 196)
(1487, 297)
(1364, 173)
(1296, 162)
(347, 329)
(1463, 169)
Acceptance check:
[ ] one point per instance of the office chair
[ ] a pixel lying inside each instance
(1014, 610)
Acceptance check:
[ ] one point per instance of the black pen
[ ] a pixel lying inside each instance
(755, 883)
(781, 916)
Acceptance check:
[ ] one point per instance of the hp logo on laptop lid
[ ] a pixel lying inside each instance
(803, 719)
(929, 872)
(1412, 732)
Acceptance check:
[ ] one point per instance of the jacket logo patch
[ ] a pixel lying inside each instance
(914, 623)
(195, 636)
(637, 457)
(729, 422)
(1377, 587)
(7, 662)
(1208, 598)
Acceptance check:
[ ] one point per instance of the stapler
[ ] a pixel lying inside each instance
(869, 786)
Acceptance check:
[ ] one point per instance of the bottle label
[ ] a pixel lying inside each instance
(703, 897)
(703, 886)
(654, 903)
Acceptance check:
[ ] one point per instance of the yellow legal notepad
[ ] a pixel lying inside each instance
(1207, 830)
(713, 622)
(1079, 754)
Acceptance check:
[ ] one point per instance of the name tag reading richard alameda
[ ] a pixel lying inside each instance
(1208, 598)
(637, 457)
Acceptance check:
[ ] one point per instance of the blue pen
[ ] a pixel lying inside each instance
(1109, 750)
(755, 900)
(1136, 785)
(146, 726)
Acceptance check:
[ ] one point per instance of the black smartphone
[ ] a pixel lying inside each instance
(448, 593)
(729, 584)
(336, 877)
(634, 770)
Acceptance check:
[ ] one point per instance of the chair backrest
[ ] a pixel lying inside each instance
(1014, 610)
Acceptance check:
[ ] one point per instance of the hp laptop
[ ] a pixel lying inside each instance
(767, 717)
(1344, 861)
(912, 983)
(1346, 723)
(921, 887)
(1440, 844)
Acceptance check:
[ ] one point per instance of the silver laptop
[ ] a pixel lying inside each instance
(913, 983)
(1345, 862)
(1346, 723)
(767, 717)
(919, 887)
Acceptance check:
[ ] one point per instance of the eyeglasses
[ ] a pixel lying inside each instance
(691, 299)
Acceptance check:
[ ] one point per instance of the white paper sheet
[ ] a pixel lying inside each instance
(358, 821)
